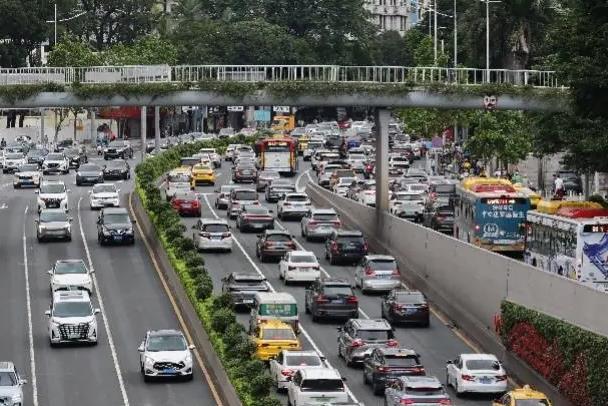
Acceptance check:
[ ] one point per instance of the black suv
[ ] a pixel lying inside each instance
(242, 287)
(76, 157)
(115, 227)
(440, 219)
(331, 298)
(406, 306)
(118, 169)
(388, 363)
(347, 246)
(359, 337)
(274, 244)
(118, 149)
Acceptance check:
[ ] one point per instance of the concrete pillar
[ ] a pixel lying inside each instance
(382, 119)
(143, 128)
(93, 128)
(157, 128)
(42, 135)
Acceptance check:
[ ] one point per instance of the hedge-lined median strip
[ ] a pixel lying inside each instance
(248, 375)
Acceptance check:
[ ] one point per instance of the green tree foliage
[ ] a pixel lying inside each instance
(501, 135)
(72, 52)
(389, 48)
(22, 28)
(149, 50)
(427, 123)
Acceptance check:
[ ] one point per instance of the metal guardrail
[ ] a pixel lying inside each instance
(276, 73)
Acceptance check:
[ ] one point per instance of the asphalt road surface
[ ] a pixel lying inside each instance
(127, 289)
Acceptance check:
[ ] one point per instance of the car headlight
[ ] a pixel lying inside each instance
(148, 361)
(105, 231)
(188, 358)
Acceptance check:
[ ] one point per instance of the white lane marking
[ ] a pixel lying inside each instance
(28, 303)
(298, 188)
(121, 383)
(259, 271)
(3, 206)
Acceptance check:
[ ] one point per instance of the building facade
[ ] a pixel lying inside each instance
(396, 15)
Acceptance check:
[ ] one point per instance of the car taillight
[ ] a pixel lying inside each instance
(321, 299)
(382, 369)
(396, 306)
(356, 343)
(205, 234)
(468, 378)
(352, 299)
(396, 274)
(392, 343)
(287, 372)
(286, 204)
(365, 248)
(337, 223)
(291, 268)
(418, 370)
(501, 377)
(445, 402)
(406, 401)
(369, 272)
(268, 244)
(226, 235)
(334, 246)
(313, 223)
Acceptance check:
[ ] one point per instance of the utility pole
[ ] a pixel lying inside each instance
(55, 21)
(435, 34)
(487, 40)
(455, 37)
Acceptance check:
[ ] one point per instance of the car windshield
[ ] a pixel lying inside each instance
(8, 379)
(259, 210)
(51, 216)
(116, 144)
(269, 174)
(35, 152)
(278, 238)
(404, 362)
(72, 309)
(29, 168)
(282, 189)
(374, 335)
(116, 218)
(425, 391)
(178, 177)
(337, 290)
(248, 279)
(166, 343)
(322, 385)
(71, 152)
(117, 163)
(531, 402)
(14, 156)
(186, 195)
(63, 268)
(482, 364)
(216, 228)
(325, 217)
(296, 198)
(356, 157)
(54, 157)
(409, 198)
(417, 188)
(383, 264)
(409, 298)
(89, 168)
(302, 360)
(52, 188)
(303, 258)
(346, 181)
(278, 334)
(104, 188)
(246, 195)
(346, 239)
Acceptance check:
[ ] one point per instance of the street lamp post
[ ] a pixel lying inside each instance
(435, 39)
(55, 20)
(488, 36)
(455, 37)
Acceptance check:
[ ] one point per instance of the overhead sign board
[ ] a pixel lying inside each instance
(281, 109)
(236, 108)
(261, 115)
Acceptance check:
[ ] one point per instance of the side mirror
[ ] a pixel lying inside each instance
(68, 190)
(449, 362)
(37, 191)
(36, 221)
(22, 381)
(70, 219)
(193, 226)
(50, 272)
(191, 347)
(92, 271)
(141, 347)
(118, 190)
(98, 221)
(97, 311)
(134, 221)
(344, 379)
(47, 313)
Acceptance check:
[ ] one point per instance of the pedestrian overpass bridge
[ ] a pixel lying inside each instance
(296, 85)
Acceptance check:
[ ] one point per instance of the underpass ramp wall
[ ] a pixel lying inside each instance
(467, 282)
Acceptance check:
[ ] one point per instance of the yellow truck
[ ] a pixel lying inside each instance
(283, 123)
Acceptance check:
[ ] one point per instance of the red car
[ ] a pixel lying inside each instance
(186, 204)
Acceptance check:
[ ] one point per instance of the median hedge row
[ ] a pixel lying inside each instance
(234, 347)
(571, 358)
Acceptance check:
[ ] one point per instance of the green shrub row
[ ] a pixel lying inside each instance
(583, 353)
(229, 339)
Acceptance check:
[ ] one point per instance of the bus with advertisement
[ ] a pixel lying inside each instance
(279, 154)
(490, 214)
(569, 238)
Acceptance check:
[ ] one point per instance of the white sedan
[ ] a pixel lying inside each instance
(299, 266)
(104, 195)
(71, 274)
(285, 365)
(476, 373)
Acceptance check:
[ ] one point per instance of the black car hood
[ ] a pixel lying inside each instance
(123, 226)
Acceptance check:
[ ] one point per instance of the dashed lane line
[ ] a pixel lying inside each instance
(28, 301)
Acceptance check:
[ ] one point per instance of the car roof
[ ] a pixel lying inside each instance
(323, 211)
(115, 210)
(372, 324)
(301, 252)
(300, 353)
(6, 366)
(320, 373)
(207, 221)
(250, 276)
(53, 182)
(335, 282)
(275, 324)
(277, 232)
(379, 257)
(349, 233)
(421, 381)
(164, 332)
(488, 357)
(296, 194)
(53, 211)
(397, 351)
(71, 296)
(526, 392)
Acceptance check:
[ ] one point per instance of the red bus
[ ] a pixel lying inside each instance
(279, 154)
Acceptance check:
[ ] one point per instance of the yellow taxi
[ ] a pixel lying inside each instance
(203, 174)
(303, 143)
(525, 396)
(273, 336)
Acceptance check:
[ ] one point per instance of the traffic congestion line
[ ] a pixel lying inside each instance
(104, 317)
(176, 309)
(272, 289)
(28, 301)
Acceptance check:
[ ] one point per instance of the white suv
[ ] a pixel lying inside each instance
(316, 386)
(104, 195)
(70, 274)
(11, 385)
(52, 195)
(72, 318)
(165, 353)
(293, 205)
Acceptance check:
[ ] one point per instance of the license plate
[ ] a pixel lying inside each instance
(216, 238)
(383, 276)
(485, 379)
(187, 206)
(117, 238)
(248, 301)
(337, 301)
(74, 336)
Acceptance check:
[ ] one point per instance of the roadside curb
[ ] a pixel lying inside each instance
(215, 369)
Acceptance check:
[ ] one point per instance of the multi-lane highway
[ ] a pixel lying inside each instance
(127, 290)
(435, 344)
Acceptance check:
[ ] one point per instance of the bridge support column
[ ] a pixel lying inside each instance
(382, 118)
(143, 127)
(42, 117)
(157, 128)
(93, 127)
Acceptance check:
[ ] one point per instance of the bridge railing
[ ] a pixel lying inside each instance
(275, 73)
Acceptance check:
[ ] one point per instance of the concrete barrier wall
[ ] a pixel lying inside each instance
(472, 280)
